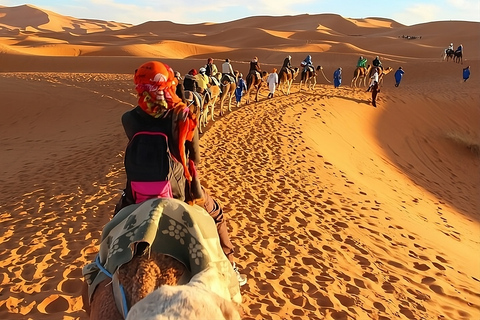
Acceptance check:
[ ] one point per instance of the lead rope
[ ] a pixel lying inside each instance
(321, 69)
(124, 298)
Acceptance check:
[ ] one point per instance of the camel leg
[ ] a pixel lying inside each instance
(230, 102)
(221, 106)
(212, 109)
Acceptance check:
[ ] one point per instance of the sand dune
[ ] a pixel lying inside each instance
(338, 210)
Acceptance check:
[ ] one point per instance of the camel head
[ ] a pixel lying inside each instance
(206, 296)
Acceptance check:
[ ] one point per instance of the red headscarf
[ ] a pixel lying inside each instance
(155, 84)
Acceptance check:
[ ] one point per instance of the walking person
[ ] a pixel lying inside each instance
(337, 78)
(466, 73)
(398, 76)
(375, 90)
(272, 82)
(374, 79)
(240, 90)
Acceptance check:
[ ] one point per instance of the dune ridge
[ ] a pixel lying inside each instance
(338, 210)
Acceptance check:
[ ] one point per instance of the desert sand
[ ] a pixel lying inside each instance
(338, 210)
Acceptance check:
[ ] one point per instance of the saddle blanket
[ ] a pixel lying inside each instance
(169, 226)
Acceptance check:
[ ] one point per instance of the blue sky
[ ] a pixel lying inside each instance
(190, 11)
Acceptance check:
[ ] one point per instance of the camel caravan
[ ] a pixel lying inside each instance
(166, 253)
(222, 88)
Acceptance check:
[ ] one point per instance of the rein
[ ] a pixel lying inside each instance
(321, 69)
(122, 290)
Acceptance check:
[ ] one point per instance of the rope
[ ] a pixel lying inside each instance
(321, 69)
(124, 298)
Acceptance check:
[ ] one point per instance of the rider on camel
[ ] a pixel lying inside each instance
(190, 81)
(211, 69)
(228, 70)
(255, 67)
(362, 62)
(376, 62)
(203, 81)
(287, 65)
(307, 63)
(459, 49)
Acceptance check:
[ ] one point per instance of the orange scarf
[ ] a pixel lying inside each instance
(155, 84)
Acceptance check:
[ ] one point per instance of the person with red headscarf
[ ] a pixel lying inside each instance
(159, 109)
(211, 68)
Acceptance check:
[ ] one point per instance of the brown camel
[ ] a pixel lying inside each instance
(382, 72)
(147, 247)
(228, 91)
(139, 277)
(210, 106)
(309, 78)
(285, 78)
(254, 83)
(360, 74)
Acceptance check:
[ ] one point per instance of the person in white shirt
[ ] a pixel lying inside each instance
(374, 79)
(272, 81)
(227, 68)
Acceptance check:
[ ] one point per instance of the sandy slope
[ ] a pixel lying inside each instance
(338, 210)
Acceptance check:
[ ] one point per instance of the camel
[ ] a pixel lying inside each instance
(210, 106)
(383, 72)
(309, 78)
(457, 57)
(201, 298)
(228, 92)
(285, 78)
(254, 83)
(194, 101)
(149, 273)
(360, 74)
(448, 54)
(147, 246)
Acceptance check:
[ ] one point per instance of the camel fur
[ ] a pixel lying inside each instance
(286, 78)
(359, 75)
(254, 83)
(309, 78)
(228, 92)
(142, 275)
(200, 299)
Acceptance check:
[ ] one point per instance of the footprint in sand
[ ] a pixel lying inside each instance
(53, 304)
